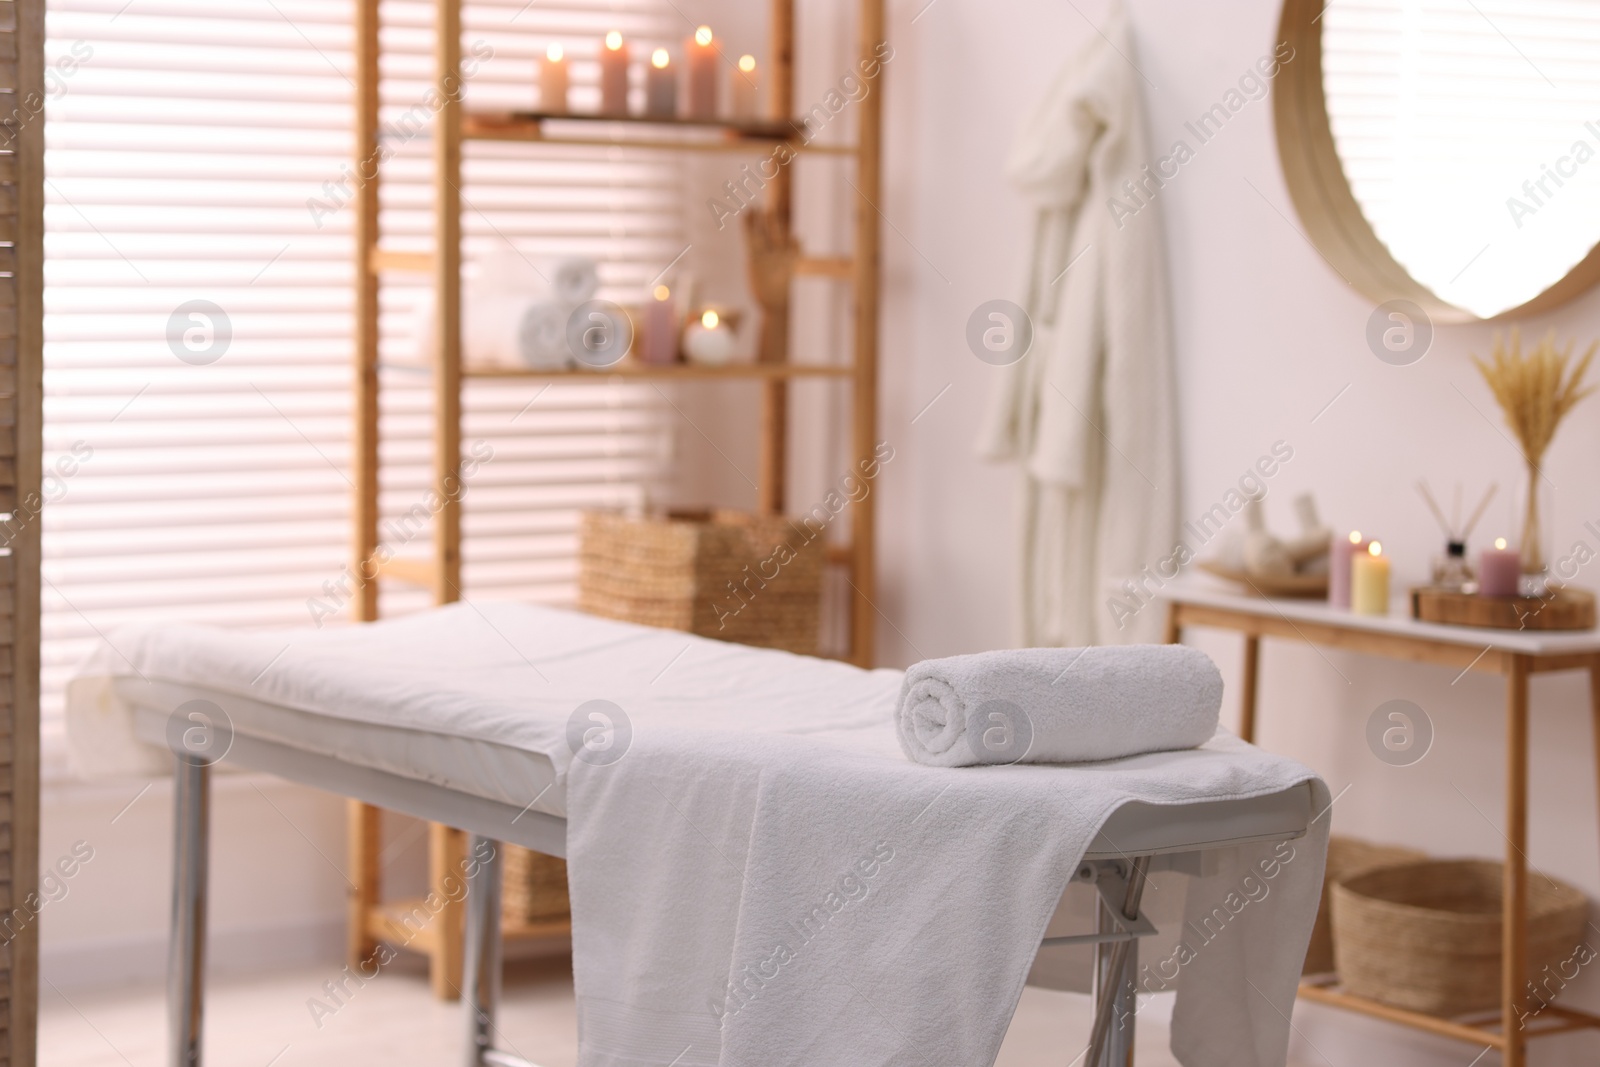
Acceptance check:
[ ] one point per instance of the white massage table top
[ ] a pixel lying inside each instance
(474, 701)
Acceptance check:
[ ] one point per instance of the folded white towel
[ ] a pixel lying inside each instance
(1057, 705)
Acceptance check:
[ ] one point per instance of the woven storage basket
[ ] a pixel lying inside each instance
(535, 887)
(1426, 936)
(1347, 856)
(736, 577)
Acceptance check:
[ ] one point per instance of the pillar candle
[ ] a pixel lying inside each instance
(1499, 570)
(1340, 553)
(746, 90)
(661, 86)
(614, 75)
(709, 341)
(660, 341)
(1369, 582)
(702, 75)
(553, 81)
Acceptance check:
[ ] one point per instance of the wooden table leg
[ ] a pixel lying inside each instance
(447, 851)
(361, 846)
(1594, 705)
(1515, 916)
(1247, 687)
(1174, 632)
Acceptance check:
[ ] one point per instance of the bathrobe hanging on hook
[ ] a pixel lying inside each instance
(1088, 413)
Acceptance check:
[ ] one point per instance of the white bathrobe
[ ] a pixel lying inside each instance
(1088, 412)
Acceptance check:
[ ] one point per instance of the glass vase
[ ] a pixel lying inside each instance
(1535, 544)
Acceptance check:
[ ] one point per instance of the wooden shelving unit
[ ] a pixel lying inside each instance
(371, 918)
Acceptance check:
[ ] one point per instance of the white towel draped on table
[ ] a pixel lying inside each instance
(781, 901)
(1089, 413)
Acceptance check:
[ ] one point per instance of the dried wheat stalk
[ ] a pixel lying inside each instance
(1535, 390)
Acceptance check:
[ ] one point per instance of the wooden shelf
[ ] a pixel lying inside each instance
(638, 131)
(842, 267)
(1553, 1020)
(420, 572)
(398, 922)
(536, 931)
(669, 372)
(383, 260)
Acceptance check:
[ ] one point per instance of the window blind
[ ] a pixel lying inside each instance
(201, 450)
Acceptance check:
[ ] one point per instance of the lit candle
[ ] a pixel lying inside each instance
(1499, 570)
(553, 81)
(745, 91)
(661, 86)
(702, 75)
(614, 75)
(1369, 582)
(709, 341)
(660, 341)
(1340, 553)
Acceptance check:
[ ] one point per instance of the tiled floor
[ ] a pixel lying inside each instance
(393, 1021)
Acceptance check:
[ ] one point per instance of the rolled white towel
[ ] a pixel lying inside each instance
(1057, 705)
(575, 280)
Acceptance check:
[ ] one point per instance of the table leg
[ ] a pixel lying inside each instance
(362, 822)
(1514, 919)
(447, 849)
(1247, 687)
(1594, 705)
(1174, 631)
(483, 965)
(186, 959)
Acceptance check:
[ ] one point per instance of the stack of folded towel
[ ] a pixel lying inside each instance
(1057, 705)
(512, 314)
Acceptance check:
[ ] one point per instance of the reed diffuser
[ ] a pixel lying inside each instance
(1452, 571)
(1535, 391)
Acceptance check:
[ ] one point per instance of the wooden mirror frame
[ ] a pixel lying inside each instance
(1321, 193)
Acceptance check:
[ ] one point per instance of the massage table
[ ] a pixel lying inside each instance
(479, 786)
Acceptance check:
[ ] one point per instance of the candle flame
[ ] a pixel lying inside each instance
(747, 64)
(702, 36)
(614, 40)
(659, 59)
(1355, 537)
(1500, 543)
(554, 53)
(710, 319)
(661, 292)
(1375, 549)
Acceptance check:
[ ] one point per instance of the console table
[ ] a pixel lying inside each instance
(1515, 654)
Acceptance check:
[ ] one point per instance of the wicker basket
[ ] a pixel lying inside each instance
(723, 574)
(1426, 936)
(535, 887)
(1347, 856)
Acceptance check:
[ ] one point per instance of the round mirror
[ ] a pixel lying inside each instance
(1447, 151)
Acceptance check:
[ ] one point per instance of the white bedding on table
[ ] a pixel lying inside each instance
(764, 831)
(505, 676)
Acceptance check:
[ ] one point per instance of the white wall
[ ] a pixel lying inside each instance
(277, 889)
(1267, 334)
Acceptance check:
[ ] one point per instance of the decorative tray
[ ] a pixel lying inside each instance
(1308, 586)
(1561, 609)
